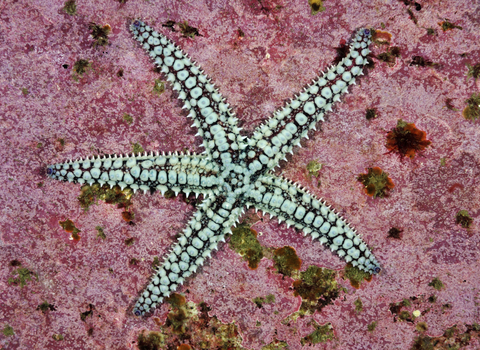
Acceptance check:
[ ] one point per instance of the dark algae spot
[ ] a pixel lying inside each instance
(89, 312)
(376, 182)
(447, 25)
(81, 66)
(421, 327)
(100, 34)
(395, 233)
(152, 341)
(286, 260)
(45, 306)
(69, 227)
(128, 216)
(390, 56)
(155, 262)
(419, 61)
(371, 113)
(188, 31)
(316, 6)
(463, 218)
(406, 140)
(15, 263)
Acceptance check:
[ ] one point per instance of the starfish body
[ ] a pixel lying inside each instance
(234, 171)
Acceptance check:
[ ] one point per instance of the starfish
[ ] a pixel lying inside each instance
(234, 171)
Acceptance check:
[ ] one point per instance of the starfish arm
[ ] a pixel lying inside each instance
(277, 136)
(178, 172)
(216, 124)
(298, 208)
(207, 228)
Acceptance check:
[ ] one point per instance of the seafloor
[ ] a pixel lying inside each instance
(58, 292)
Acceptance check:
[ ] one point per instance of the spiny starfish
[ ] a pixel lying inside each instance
(234, 171)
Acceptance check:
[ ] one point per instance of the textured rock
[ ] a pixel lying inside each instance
(258, 57)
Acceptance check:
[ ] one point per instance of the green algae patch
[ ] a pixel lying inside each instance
(190, 323)
(451, 339)
(436, 283)
(8, 331)
(137, 148)
(421, 327)
(317, 287)
(150, 341)
(313, 168)
(155, 263)
(244, 241)
(259, 301)
(321, 334)
(472, 111)
(371, 327)
(100, 232)
(376, 182)
(463, 218)
(358, 305)
(21, 276)
(473, 71)
(356, 276)
(276, 345)
(158, 87)
(127, 118)
(286, 260)
(57, 337)
(91, 194)
(70, 7)
(180, 313)
(80, 67)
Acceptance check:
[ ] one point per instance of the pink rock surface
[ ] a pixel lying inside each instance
(283, 49)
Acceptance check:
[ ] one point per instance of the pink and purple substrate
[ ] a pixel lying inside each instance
(283, 48)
